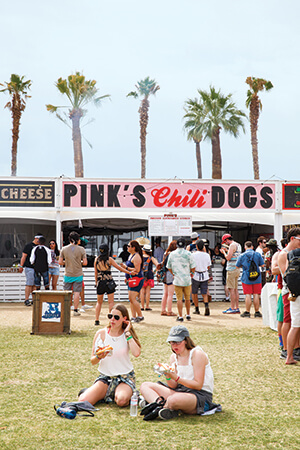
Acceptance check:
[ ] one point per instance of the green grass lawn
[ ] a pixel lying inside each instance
(258, 393)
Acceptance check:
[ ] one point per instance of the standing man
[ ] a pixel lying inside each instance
(291, 319)
(159, 251)
(250, 287)
(28, 268)
(181, 265)
(261, 248)
(201, 276)
(40, 259)
(231, 250)
(192, 247)
(73, 257)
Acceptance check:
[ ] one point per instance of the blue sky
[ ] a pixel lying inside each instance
(185, 46)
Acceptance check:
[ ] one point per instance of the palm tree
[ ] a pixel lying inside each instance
(79, 92)
(194, 127)
(220, 112)
(17, 89)
(253, 102)
(144, 89)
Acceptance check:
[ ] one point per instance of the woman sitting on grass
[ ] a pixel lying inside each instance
(188, 388)
(116, 381)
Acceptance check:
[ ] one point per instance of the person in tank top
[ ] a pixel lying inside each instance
(116, 381)
(189, 384)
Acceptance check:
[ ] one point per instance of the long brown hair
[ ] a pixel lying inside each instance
(172, 247)
(138, 250)
(124, 311)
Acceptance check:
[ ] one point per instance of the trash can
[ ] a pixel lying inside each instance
(51, 312)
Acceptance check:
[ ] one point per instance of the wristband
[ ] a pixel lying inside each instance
(177, 379)
(97, 356)
(127, 339)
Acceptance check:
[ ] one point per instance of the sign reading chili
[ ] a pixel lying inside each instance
(27, 193)
(153, 195)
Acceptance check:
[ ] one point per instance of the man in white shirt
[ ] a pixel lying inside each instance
(261, 246)
(201, 276)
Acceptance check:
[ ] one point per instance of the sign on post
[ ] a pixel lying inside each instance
(170, 225)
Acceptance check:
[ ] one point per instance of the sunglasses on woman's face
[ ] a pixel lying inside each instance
(115, 316)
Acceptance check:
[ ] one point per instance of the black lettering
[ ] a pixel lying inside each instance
(139, 200)
(250, 198)
(69, 191)
(112, 195)
(217, 197)
(97, 197)
(266, 201)
(234, 197)
(83, 195)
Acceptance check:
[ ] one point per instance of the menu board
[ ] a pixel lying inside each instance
(170, 225)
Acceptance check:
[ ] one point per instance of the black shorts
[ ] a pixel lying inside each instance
(102, 288)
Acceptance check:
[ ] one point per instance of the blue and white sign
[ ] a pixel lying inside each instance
(51, 312)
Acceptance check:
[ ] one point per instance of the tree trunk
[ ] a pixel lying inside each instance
(198, 158)
(216, 155)
(16, 111)
(254, 115)
(75, 116)
(143, 111)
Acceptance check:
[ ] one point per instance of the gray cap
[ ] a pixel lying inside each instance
(194, 235)
(178, 333)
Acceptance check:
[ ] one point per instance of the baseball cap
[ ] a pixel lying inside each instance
(178, 333)
(226, 236)
(272, 242)
(181, 243)
(194, 235)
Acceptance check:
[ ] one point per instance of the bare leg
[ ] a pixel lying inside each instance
(82, 296)
(150, 391)
(28, 291)
(54, 282)
(148, 289)
(292, 338)
(123, 394)
(94, 393)
(170, 291)
(134, 304)
(185, 402)
(248, 302)
(195, 300)
(285, 330)
(142, 297)
(110, 298)
(76, 299)
(98, 306)
(164, 298)
(256, 302)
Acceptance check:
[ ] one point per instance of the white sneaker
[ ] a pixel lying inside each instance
(72, 308)
(76, 313)
(82, 310)
(87, 307)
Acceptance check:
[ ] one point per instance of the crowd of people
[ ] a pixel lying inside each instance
(185, 270)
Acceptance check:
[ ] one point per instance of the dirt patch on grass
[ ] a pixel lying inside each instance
(18, 315)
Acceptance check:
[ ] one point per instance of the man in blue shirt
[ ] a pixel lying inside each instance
(250, 287)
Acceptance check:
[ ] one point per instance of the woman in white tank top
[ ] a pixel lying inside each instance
(189, 386)
(116, 381)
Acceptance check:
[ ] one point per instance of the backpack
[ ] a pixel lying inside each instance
(146, 266)
(292, 274)
(254, 272)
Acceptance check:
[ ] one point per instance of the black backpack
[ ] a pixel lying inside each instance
(253, 270)
(292, 274)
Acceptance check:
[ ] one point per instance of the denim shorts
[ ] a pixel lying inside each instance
(53, 270)
(29, 274)
(38, 277)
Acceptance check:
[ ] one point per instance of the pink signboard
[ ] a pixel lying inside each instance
(168, 195)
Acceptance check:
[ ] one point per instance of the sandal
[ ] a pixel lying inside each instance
(148, 309)
(159, 403)
(171, 314)
(164, 313)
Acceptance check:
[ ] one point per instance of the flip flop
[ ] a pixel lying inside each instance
(164, 313)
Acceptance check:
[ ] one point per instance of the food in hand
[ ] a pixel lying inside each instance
(162, 368)
(107, 350)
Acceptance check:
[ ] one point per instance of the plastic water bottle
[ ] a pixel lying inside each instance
(134, 404)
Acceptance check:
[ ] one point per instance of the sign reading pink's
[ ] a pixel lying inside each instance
(186, 195)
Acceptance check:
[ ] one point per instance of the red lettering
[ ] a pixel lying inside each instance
(162, 197)
(159, 194)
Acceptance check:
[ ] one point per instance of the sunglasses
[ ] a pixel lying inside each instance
(295, 237)
(175, 342)
(115, 316)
